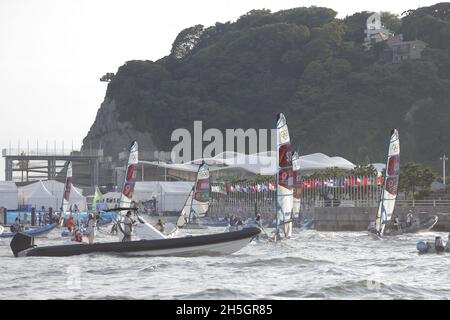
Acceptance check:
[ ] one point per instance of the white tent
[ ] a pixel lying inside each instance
(56, 189)
(111, 199)
(38, 196)
(146, 190)
(173, 195)
(9, 195)
(170, 195)
(263, 163)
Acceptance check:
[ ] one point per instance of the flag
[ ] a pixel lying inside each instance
(272, 187)
(97, 197)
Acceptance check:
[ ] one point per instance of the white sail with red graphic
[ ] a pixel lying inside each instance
(126, 195)
(67, 188)
(390, 186)
(197, 203)
(297, 183)
(284, 191)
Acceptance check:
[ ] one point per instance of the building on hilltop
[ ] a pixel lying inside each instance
(375, 31)
(398, 51)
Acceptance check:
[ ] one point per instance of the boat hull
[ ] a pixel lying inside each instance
(212, 244)
(32, 232)
(425, 226)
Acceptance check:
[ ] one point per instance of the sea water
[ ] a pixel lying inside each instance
(311, 265)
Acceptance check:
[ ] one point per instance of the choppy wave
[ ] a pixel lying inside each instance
(313, 265)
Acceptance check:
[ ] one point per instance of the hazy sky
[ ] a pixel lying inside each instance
(52, 53)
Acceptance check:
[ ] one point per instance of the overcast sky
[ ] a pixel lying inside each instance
(52, 53)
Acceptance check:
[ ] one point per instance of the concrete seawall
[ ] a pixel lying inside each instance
(358, 218)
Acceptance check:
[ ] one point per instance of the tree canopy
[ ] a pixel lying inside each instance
(305, 62)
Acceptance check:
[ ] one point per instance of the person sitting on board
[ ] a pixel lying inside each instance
(16, 226)
(70, 223)
(78, 236)
(90, 228)
(232, 220)
(160, 225)
(439, 244)
(239, 223)
(128, 227)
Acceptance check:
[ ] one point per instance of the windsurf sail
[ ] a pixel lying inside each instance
(67, 188)
(390, 185)
(297, 184)
(143, 229)
(197, 203)
(284, 191)
(126, 195)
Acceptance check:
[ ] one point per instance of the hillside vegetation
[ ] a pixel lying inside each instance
(338, 98)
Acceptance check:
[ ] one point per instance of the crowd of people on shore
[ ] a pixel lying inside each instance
(34, 219)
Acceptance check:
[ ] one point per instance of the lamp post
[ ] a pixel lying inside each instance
(443, 158)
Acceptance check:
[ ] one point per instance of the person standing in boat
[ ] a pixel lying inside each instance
(90, 228)
(128, 227)
(33, 216)
(258, 220)
(397, 223)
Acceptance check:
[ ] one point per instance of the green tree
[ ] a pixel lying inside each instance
(330, 173)
(364, 170)
(415, 177)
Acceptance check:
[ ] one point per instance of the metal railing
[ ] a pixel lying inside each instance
(374, 203)
(50, 152)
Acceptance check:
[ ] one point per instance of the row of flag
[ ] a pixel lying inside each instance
(304, 184)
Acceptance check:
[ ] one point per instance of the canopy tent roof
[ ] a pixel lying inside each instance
(8, 186)
(38, 196)
(8, 195)
(260, 163)
(170, 195)
(183, 187)
(56, 189)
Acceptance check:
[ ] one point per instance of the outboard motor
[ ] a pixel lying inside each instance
(21, 242)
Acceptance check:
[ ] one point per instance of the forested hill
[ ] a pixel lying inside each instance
(338, 98)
